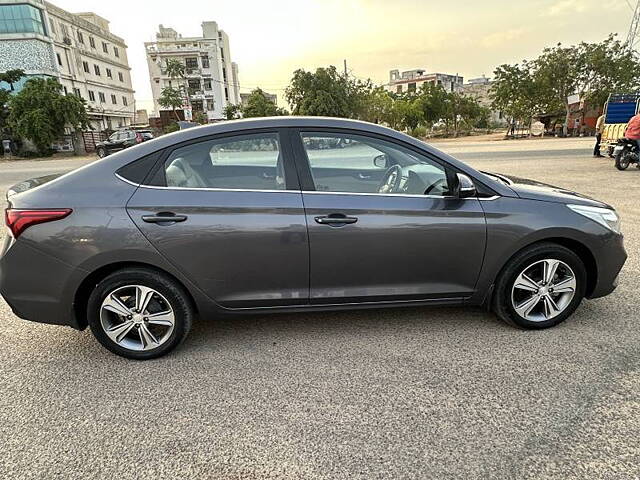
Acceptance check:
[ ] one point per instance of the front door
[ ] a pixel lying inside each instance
(229, 214)
(383, 225)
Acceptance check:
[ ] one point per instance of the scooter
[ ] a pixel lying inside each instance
(626, 153)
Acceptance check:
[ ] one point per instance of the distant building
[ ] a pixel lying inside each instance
(270, 96)
(211, 77)
(480, 89)
(77, 49)
(412, 81)
(142, 117)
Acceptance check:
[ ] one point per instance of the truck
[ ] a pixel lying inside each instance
(618, 110)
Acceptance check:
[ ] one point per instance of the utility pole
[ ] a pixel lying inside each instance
(345, 60)
(633, 37)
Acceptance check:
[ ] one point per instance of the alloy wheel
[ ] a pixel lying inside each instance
(543, 290)
(137, 318)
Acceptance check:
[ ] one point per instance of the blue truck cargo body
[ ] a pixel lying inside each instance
(621, 107)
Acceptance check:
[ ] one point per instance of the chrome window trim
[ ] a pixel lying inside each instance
(308, 192)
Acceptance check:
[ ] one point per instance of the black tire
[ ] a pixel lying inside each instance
(502, 300)
(168, 288)
(621, 160)
(101, 152)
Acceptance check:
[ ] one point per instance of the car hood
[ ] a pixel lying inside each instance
(534, 190)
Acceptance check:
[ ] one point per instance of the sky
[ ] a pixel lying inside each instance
(270, 39)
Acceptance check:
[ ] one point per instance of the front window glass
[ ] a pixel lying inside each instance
(21, 19)
(252, 162)
(360, 164)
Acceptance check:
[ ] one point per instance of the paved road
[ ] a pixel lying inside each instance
(404, 393)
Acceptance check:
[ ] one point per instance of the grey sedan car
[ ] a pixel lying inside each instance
(294, 214)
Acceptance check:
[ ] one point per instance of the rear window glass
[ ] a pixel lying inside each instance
(138, 170)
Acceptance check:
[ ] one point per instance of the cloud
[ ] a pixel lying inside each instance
(567, 7)
(500, 38)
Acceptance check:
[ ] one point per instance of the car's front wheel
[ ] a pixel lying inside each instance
(102, 152)
(540, 287)
(139, 314)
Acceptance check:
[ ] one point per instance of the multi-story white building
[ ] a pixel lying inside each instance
(77, 49)
(211, 78)
(412, 81)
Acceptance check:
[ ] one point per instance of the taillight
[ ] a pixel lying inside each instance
(19, 220)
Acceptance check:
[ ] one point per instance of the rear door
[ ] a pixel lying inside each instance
(228, 212)
(383, 225)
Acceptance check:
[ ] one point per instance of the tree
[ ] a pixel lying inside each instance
(171, 98)
(175, 69)
(323, 93)
(432, 100)
(231, 111)
(590, 70)
(514, 92)
(259, 105)
(10, 77)
(40, 112)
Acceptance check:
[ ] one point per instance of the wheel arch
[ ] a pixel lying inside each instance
(577, 247)
(83, 291)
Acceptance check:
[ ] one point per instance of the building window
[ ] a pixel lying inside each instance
(207, 84)
(194, 84)
(85, 67)
(96, 70)
(80, 37)
(120, 77)
(109, 73)
(21, 19)
(399, 89)
(92, 96)
(226, 94)
(116, 52)
(222, 54)
(105, 47)
(92, 42)
(102, 97)
(124, 101)
(76, 92)
(114, 99)
(64, 89)
(191, 63)
(205, 61)
(411, 87)
(59, 59)
(224, 74)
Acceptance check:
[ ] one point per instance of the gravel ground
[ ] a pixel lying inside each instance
(402, 393)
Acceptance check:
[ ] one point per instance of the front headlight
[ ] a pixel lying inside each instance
(604, 216)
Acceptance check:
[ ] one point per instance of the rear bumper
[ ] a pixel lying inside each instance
(609, 261)
(32, 284)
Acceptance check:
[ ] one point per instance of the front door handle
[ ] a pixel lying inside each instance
(164, 217)
(335, 219)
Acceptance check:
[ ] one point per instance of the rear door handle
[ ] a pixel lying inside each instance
(164, 217)
(335, 219)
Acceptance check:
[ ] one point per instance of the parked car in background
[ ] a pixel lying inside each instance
(294, 214)
(118, 141)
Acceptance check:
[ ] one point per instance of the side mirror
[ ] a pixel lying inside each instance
(380, 161)
(465, 187)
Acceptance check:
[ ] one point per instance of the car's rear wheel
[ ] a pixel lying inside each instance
(139, 314)
(101, 152)
(540, 287)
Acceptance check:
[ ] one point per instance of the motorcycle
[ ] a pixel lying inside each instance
(626, 153)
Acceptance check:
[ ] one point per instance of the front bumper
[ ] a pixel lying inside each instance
(609, 261)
